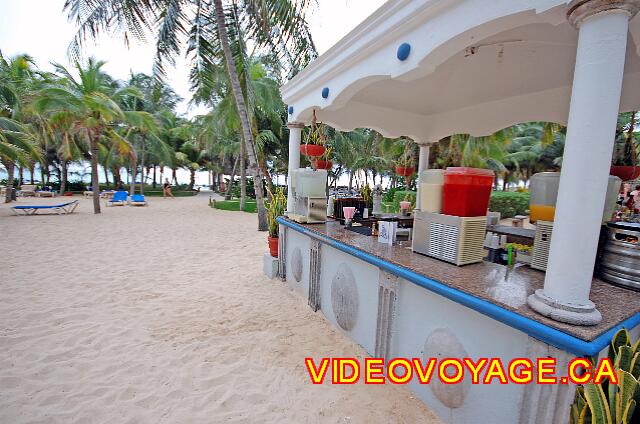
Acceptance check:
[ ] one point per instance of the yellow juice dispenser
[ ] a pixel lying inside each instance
(544, 193)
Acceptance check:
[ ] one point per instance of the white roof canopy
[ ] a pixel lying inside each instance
(473, 66)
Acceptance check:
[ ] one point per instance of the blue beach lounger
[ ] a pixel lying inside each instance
(63, 208)
(138, 200)
(118, 199)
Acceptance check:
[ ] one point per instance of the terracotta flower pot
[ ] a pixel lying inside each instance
(273, 246)
(625, 173)
(322, 164)
(312, 149)
(405, 171)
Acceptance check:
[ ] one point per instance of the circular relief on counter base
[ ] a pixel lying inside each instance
(296, 264)
(441, 344)
(344, 297)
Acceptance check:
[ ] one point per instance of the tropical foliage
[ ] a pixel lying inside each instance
(240, 54)
(216, 34)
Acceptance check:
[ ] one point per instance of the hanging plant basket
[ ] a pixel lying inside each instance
(625, 173)
(322, 164)
(312, 150)
(405, 171)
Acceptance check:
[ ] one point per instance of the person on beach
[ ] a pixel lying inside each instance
(166, 189)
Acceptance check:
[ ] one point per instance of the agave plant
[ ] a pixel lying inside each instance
(607, 403)
(275, 208)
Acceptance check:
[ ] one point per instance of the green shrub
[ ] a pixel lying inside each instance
(399, 196)
(509, 204)
(387, 197)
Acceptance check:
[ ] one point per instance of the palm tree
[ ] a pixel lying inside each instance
(265, 106)
(91, 102)
(66, 142)
(16, 147)
(278, 25)
(16, 137)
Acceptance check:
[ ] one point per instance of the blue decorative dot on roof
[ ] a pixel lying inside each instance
(290, 110)
(403, 51)
(325, 92)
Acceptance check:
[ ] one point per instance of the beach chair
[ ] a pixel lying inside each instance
(106, 194)
(45, 193)
(27, 190)
(137, 200)
(119, 199)
(61, 209)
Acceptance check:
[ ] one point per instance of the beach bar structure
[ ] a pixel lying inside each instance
(427, 69)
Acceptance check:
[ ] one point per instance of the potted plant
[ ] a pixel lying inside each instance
(367, 196)
(625, 159)
(275, 208)
(314, 144)
(404, 166)
(324, 161)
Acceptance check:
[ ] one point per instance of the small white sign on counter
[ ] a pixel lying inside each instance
(387, 232)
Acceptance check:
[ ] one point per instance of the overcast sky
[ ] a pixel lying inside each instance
(41, 29)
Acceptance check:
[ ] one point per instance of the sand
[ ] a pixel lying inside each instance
(163, 315)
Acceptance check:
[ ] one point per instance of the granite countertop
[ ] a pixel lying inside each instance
(507, 287)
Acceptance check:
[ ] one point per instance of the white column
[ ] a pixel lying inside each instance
(595, 101)
(295, 136)
(423, 165)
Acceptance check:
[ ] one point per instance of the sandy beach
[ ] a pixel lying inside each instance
(163, 315)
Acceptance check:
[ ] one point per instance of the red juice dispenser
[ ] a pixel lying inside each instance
(466, 191)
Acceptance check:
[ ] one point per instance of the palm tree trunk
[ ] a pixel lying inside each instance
(106, 174)
(142, 173)
(154, 177)
(192, 178)
(21, 175)
(242, 113)
(243, 177)
(265, 171)
(32, 170)
(63, 177)
(174, 175)
(227, 194)
(132, 183)
(10, 166)
(95, 184)
(117, 179)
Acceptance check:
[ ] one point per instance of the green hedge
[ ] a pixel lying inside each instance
(509, 204)
(399, 196)
(234, 205)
